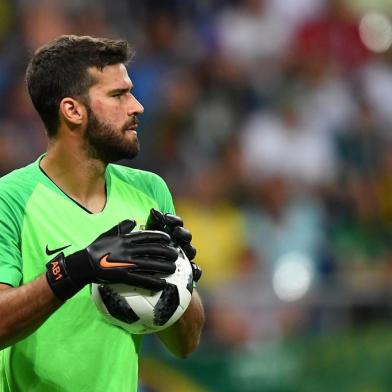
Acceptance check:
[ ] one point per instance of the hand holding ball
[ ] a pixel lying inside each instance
(141, 311)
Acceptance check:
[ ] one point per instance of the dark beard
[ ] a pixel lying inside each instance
(105, 143)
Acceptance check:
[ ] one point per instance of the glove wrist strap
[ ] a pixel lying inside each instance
(59, 280)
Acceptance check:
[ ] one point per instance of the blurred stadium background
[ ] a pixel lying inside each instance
(271, 120)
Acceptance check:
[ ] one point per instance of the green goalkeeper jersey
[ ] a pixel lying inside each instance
(75, 350)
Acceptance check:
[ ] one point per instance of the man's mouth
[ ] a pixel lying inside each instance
(132, 126)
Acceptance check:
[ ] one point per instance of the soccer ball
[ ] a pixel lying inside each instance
(141, 311)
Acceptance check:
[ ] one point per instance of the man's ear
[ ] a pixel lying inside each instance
(72, 112)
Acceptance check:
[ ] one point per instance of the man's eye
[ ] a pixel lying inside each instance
(122, 94)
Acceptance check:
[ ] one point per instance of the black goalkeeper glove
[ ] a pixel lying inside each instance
(173, 225)
(116, 256)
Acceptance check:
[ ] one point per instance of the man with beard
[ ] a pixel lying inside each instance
(68, 220)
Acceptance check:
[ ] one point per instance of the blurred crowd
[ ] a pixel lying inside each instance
(271, 122)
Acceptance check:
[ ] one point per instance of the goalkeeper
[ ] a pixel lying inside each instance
(72, 217)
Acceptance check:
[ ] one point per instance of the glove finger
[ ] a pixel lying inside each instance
(173, 220)
(148, 236)
(169, 253)
(116, 230)
(155, 220)
(189, 250)
(181, 235)
(126, 226)
(154, 266)
(196, 272)
(144, 281)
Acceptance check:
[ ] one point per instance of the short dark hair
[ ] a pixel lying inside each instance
(59, 69)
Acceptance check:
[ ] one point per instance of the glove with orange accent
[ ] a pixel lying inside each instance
(116, 256)
(173, 225)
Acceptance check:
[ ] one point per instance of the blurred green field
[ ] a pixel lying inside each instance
(354, 361)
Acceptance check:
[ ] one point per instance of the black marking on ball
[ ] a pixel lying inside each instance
(116, 305)
(166, 305)
(189, 285)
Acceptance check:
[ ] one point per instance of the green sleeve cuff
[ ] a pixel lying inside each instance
(10, 276)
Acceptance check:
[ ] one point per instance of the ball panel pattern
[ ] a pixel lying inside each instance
(189, 285)
(116, 305)
(167, 304)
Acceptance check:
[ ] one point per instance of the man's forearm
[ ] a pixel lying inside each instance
(23, 309)
(183, 337)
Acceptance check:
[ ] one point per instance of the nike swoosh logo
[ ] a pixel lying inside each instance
(50, 252)
(105, 263)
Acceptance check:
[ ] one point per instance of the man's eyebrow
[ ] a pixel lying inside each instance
(121, 90)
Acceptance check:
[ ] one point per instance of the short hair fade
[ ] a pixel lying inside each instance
(58, 69)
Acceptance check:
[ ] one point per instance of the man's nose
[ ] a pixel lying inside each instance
(135, 107)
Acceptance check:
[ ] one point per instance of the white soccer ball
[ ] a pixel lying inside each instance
(141, 311)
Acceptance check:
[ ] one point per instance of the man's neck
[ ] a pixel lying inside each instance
(79, 177)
